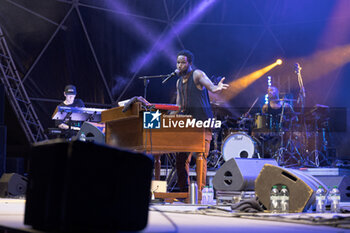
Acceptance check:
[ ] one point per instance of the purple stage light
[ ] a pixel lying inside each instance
(176, 30)
(119, 83)
(135, 25)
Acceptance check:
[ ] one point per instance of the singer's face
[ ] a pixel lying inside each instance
(182, 65)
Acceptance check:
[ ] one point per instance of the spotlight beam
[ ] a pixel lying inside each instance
(175, 31)
(142, 60)
(322, 63)
(240, 84)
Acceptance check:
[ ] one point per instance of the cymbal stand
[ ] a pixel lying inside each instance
(215, 156)
(316, 154)
(290, 147)
(279, 154)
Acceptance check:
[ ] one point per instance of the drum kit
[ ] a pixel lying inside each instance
(294, 140)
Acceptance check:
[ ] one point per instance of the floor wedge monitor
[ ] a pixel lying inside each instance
(239, 174)
(302, 187)
(12, 185)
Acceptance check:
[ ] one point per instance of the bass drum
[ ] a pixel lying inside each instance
(239, 145)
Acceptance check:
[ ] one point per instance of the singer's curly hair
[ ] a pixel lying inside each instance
(188, 54)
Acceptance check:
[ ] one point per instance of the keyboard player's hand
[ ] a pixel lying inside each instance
(65, 126)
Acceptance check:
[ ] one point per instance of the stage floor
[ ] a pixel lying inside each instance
(179, 217)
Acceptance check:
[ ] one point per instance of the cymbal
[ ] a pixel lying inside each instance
(217, 103)
(286, 99)
(220, 110)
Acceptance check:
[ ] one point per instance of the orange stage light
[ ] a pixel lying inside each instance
(242, 83)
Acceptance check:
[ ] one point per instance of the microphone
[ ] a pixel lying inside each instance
(176, 72)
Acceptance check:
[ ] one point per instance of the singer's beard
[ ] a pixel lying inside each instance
(185, 72)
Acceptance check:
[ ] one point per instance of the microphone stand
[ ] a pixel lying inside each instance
(146, 81)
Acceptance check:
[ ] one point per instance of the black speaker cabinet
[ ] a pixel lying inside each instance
(302, 187)
(12, 185)
(239, 174)
(84, 187)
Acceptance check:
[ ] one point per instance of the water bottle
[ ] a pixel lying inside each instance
(274, 200)
(210, 195)
(193, 193)
(320, 200)
(205, 196)
(328, 198)
(82, 137)
(334, 195)
(284, 198)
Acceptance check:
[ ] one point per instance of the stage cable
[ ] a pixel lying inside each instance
(168, 218)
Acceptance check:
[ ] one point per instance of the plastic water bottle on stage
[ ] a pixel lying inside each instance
(210, 195)
(274, 200)
(334, 196)
(82, 137)
(284, 197)
(205, 196)
(320, 200)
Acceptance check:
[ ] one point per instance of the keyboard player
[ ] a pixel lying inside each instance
(70, 128)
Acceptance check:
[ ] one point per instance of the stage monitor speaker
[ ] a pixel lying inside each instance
(85, 187)
(12, 185)
(92, 133)
(301, 186)
(239, 174)
(343, 183)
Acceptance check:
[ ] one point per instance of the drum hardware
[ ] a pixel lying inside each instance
(245, 118)
(263, 122)
(221, 110)
(244, 124)
(301, 95)
(316, 157)
(214, 159)
(240, 145)
(285, 155)
(287, 100)
(282, 114)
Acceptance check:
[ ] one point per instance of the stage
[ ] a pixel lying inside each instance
(180, 217)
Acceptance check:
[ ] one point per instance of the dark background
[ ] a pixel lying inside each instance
(103, 46)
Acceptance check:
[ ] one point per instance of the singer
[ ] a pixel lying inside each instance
(193, 99)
